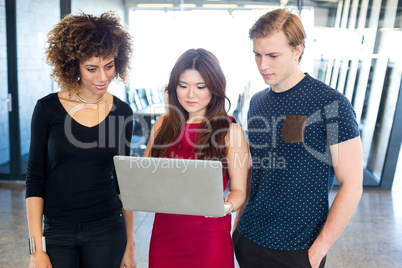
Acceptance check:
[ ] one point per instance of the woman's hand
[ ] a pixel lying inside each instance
(128, 260)
(34, 208)
(40, 259)
(229, 208)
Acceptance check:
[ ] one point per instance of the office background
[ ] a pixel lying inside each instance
(352, 45)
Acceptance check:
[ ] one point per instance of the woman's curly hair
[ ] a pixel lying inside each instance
(77, 38)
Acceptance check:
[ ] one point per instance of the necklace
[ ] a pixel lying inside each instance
(89, 102)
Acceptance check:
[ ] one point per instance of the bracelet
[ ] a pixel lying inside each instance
(31, 244)
(232, 206)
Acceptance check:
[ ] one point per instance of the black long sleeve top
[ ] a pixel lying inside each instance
(71, 165)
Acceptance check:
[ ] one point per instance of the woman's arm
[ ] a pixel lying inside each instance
(129, 260)
(238, 166)
(36, 183)
(34, 206)
(241, 209)
(152, 136)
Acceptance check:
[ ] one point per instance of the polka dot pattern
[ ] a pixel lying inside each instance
(291, 181)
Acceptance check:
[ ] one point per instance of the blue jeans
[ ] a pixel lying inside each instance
(97, 244)
(251, 255)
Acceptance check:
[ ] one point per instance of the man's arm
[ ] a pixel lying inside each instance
(348, 166)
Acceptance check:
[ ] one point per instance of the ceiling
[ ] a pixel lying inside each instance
(329, 4)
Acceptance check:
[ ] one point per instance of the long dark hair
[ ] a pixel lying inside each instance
(211, 141)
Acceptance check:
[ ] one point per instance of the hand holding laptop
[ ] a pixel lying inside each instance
(227, 210)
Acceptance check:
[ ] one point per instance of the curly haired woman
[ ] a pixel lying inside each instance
(75, 133)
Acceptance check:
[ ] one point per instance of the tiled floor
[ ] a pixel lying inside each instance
(373, 238)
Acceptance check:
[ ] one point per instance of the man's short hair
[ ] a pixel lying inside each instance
(279, 20)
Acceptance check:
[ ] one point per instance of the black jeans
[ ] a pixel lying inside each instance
(97, 244)
(251, 255)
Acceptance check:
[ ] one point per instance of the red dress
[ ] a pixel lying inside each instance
(190, 241)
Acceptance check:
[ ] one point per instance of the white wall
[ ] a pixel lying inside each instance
(97, 7)
(34, 80)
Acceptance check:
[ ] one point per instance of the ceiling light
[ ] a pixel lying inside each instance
(155, 5)
(217, 6)
(188, 5)
(260, 7)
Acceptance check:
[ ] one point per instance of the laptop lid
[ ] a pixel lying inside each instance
(168, 185)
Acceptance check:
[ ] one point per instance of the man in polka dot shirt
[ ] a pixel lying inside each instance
(302, 134)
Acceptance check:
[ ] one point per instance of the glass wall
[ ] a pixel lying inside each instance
(4, 97)
(357, 53)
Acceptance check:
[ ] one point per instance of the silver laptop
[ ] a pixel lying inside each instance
(168, 185)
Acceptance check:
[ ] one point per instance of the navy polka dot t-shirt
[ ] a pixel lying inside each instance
(289, 137)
